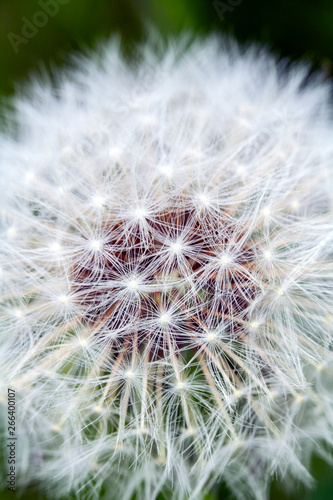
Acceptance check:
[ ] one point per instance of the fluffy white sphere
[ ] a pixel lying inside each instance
(167, 275)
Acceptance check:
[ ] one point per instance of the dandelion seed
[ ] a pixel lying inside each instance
(129, 374)
(254, 325)
(11, 232)
(96, 245)
(240, 170)
(83, 342)
(98, 201)
(211, 337)
(295, 205)
(238, 394)
(190, 431)
(18, 313)
(176, 248)
(133, 285)
(204, 200)
(140, 213)
(55, 248)
(67, 152)
(115, 153)
(225, 260)
(268, 255)
(29, 177)
(165, 318)
(63, 299)
(56, 427)
(98, 409)
(166, 170)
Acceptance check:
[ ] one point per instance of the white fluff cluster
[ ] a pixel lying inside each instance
(167, 275)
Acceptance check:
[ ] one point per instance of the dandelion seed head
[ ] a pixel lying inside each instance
(167, 280)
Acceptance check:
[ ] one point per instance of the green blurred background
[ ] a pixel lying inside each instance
(298, 29)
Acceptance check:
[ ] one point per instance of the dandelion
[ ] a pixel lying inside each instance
(166, 275)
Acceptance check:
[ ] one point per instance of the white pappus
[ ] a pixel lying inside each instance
(166, 273)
